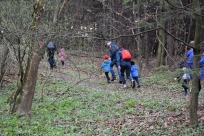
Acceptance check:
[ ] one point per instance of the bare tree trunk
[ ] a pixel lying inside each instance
(112, 10)
(163, 47)
(3, 56)
(160, 51)
(24, 102)
(161, 38)
(26, 89)
(171, 46)
(57, 7)
(159, 54)
(196, 83)
(139, 49)
(146, 43)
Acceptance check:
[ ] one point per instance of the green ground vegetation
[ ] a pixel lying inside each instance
(93, 107)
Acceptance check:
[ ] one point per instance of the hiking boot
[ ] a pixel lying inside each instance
(114, 78)
(120, 82)
(108, 81)
(138, 86)
(123, 87)
(133, 83)
(185, 93)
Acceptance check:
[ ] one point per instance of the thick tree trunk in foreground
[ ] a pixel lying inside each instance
(22, 98)
(26, 90)
(198, 40)
(24, 103)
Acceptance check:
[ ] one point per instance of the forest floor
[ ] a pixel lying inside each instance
(153, 93)
(158, 107)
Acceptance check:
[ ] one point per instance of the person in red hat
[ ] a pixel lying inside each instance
(106, 67)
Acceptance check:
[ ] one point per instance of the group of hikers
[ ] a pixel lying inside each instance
(122, 59)
(187, 66)
(51, 48)
(119, 57)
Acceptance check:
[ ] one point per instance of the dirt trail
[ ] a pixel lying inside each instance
(95, 78)
(88, 76)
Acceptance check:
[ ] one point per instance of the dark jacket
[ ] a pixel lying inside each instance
(119, 59)
(51, 50)
(113, 50)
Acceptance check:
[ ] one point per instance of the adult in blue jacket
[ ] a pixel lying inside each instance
(113, 50)
(201, 76)
(51, 48)
(189, 62)
(201, 67)
(124, 66)
(189, 56)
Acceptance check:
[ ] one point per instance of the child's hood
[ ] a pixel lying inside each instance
(107, 61)
(134, 67)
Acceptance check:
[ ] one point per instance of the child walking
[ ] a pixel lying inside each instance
(185, 74)
(134, 73)
(62, 56)
(106, 66)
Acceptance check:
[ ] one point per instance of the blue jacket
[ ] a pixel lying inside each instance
(119, 59)
(201, 67)
(113, 50)
(134, 71)
(189, 55)
(201, 61)
(106, 65)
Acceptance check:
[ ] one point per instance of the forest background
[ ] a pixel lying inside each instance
(156, 32)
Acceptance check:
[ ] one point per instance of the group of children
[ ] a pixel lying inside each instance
(186, 69)
(106, 66)
(50, 53)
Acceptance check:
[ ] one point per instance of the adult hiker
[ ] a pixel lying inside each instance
(189, 56)
(51, 48)
(124, 64)
(113, 49)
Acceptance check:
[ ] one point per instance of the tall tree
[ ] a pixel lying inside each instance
(139, 42)
(26, 91)
(146, 38)
(161, 35)
(23, 96)
(196, 83)
(3, 56)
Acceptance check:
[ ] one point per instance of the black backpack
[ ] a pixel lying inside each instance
(51, 50)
